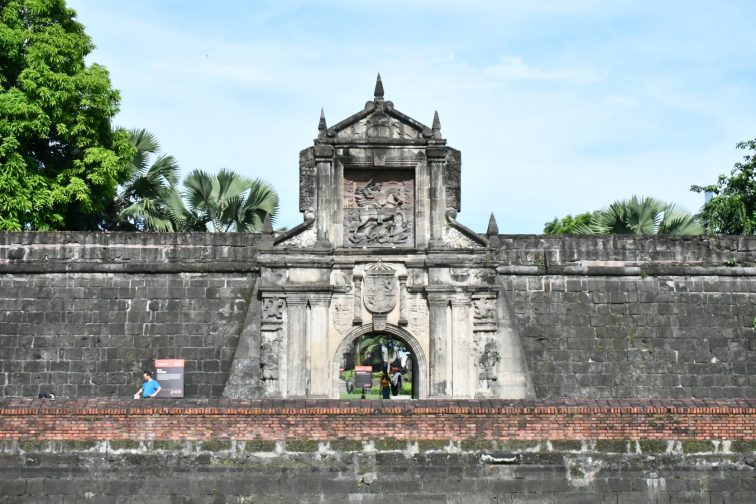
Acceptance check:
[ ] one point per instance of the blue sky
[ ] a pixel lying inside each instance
(557, 106)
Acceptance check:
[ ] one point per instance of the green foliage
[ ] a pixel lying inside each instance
(60, 159)
(568, 224)
(637, 215)
(228, 201)
(732, 209)
(143, 200)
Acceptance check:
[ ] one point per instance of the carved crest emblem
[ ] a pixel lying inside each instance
(380, 288)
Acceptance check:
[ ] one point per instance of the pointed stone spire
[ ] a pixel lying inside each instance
(378, 88)
(267, 225)
(436, 122)
(493, 232)
(493, 228)
(322, 124)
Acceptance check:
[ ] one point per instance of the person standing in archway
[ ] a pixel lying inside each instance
(385, 386)
(396, 381)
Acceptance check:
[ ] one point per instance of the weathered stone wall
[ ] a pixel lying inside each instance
(611, 316)
(385, 459)
(82, 314)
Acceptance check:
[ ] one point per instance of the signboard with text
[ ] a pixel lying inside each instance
(170, 376)
(363, 376)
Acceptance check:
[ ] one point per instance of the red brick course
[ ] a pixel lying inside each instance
(111, 419)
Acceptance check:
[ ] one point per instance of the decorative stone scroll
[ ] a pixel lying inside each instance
(272, 309)
(380, 292)
(379, 208)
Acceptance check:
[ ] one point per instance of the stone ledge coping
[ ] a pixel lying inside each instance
(326, 407)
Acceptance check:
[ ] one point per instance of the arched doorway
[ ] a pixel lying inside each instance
(419, 361)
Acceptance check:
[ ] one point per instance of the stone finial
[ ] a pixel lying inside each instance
(267, 225)
(493, 228)
(322, 123)
(436, 122)
(378, 88)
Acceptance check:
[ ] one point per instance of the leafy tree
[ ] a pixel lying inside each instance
(567, 224)
(229, 201)
(60, 159)
(637, 215)
(732, 209)
(143, 200)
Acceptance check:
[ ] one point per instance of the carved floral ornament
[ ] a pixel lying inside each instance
(273, 309)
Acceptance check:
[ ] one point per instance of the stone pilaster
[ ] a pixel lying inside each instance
(272, 344)
(325, 197)
(318, 359)
(440, 370)
(463, 368)
(437, 168)
(403, 321)
(357, 299)
(296, 336)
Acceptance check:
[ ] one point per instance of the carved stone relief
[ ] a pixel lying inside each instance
(343, 312)
(487, 362)
(379, 125)
(419, 321)
(307, 181)
(306, 238)
(453, 238)
(273, 309)
(380, 292)
(484, 312)
(270, 355)
(379, 208)
(453, 180)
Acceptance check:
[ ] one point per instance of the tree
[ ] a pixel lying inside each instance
(637, 215)
(145, 199)
(567, 224)
(60, 159)
(732, 208)
(229, 201)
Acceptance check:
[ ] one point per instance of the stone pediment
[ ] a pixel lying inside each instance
(379, 122)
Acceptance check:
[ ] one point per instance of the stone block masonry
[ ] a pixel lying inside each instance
(554, 452)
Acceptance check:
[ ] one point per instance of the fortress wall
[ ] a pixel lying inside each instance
(81, 314)
(612, 316)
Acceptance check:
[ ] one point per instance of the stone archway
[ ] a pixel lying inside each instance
(400, 333)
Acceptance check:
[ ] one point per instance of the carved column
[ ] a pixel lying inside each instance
(325, 193)
(271, 344)
(437, 168)
(440, 371)
(463, 369)
(297, 345)
(403, 299)
(357, 299)
(486, 355)
(318, 360)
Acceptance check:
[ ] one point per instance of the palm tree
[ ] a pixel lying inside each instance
(229, 201)
(141, 200)
(642, 215)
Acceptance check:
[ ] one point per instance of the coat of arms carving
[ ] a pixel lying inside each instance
(380, 288)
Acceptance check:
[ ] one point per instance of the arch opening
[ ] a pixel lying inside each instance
(391, 350)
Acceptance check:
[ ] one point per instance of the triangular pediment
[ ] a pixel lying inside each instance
(379, 121)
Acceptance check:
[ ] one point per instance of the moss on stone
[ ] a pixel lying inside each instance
(611, 446)
(258, 445)
(124, 444)
(566, 445)
(216, 445)
(475, 444)
(652, 446)
(389, 444)
(33, 446)
(78, 445)
(346, 445)
(516, 445)
(695, 446)
(302, 445)
(167, 445)
(743, 446)
(432, 444)
(576, 473)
